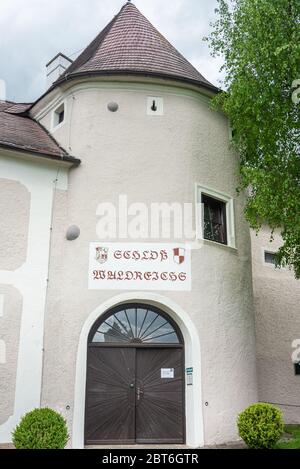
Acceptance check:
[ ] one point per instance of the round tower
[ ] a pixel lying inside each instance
(150, 289)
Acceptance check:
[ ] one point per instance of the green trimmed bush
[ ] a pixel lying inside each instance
(260, 426)
(41, 429)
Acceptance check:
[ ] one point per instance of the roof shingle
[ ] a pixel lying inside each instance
(131, 44)
(23, 133)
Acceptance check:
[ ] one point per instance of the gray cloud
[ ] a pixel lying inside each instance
(32, 32)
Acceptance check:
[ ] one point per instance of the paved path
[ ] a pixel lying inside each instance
(232, 445)
(139, 447)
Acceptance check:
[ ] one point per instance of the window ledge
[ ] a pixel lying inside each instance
(57, 126)
(207, 242)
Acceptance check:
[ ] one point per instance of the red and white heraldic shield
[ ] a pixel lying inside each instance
(179, 255)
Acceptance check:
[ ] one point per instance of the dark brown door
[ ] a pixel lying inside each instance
(134, 395)
(110, 399)
(159, 396)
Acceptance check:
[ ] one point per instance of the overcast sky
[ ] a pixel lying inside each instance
(33, 31)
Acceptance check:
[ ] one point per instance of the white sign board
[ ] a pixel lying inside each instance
(139, 266)
(167, 373)
(189, 380)
(189, 376)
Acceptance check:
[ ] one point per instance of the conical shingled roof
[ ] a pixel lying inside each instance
(130, 44)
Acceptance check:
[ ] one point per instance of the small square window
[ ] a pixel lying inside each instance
(215, 227)
(269, 257)
(297, 368)
(59, 115)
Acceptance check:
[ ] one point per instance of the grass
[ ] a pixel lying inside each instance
(294, 443)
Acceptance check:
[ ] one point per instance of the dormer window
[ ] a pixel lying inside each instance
(59, 115)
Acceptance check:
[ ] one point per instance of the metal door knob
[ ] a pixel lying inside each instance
(132, 385)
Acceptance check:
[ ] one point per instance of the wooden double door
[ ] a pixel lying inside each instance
(134, 395)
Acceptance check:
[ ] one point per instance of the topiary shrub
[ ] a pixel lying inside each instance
(260, 426)
(41, 429)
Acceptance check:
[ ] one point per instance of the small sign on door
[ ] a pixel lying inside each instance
(167, 373)
(189, 376)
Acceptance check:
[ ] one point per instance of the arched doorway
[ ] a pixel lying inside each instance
(135, 378)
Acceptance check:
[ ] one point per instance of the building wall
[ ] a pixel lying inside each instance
(14, 215)
(14, 209)
(151, 159)
(26, 194)
(277, 300)
(10, 320)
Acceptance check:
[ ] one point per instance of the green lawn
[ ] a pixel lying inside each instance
(295, 442)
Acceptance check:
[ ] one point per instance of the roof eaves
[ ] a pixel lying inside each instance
(64, 152)
(63, 158)
(198, 83)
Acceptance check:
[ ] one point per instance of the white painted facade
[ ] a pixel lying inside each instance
(107, 156)
(217, 313)
(30, 279)
(276, 303)
(216, 317)
(174, 154)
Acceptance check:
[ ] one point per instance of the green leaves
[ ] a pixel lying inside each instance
(260, 42)
(260, 426)
(41, 429)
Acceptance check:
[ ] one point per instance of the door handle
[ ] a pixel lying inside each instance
(131, 385)
(139, 393)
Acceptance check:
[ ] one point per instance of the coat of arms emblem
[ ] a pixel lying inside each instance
(179, 255)
(101, 254)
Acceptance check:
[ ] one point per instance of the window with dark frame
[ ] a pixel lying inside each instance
(215, 228)
(297, 368)
(59, 115)
(270, 257)
(135, 324)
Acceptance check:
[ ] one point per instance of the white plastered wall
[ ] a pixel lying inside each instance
(30, 279)
(137, 154)
(277, 319)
